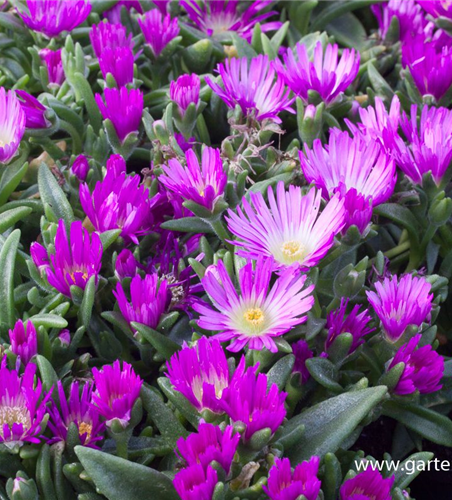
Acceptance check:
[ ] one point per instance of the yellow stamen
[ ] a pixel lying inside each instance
(85, 428)
(255, 316)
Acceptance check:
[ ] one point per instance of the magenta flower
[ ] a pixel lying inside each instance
(24, 342)
(80, 167)
(39, 256)
(116, 164)
(367, 485)
(119, 62)
(76, 410)
(21, 407)
(75, 260)
(52, 17)
(123, 108)
(216, 17)
(109, 36)
(33, 109)
(203, 184)
(261, 311)
(184, 91)
(116, 392)
(54, 65)
(126, 266)
(253, 87)
(302, 353)
(400, 303)
(158, 30)
(149, 297)
(283, 484)
(437, 8)
(424, 368)
(325, 74)
(289, 228)
(184, 144)
(12, 124)
(429, 146)
(195, 482)
(114, 14)
(208, 444)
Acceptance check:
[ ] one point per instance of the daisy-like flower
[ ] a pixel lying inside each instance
(184, 91)
(424, 368)
(109, 36)
(75, 260)
(80, 167)
(195, 482)
(326, 74)
(302, 353)
(77, 410)
(24, 341)
(158, 30)
(117, 390)
(12, 124)
(216, 17)
(367, 485)
(52, 17)
(204, 184)
(289, 228)
(54, 65)
(261, 311)
(253, 87)
(33, 109)
(400, 303)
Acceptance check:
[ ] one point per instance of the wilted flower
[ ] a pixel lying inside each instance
(52, 17)
(117, 390)
(400, 303)
(216, 17)
(158, 30)
(77, 410)
(126, 266)
(184, 91)
(114, 14)
(24, 342)
(367, 485)
(202, 184)
(261, 311)
(302, 353)
(283, 484)
(54, 64)
(424, 368)
(74, 260)
(195, 482)
(289, 228)
(80, 167)
(253, 87)
(325, 74)
(109, 36)
(12, 124)
(184, 144)
(33, 109)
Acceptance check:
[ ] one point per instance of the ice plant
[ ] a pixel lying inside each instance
(54, 65)
(126, 266)
(195, 483)
(201, 373)
(283, 484)
(367, 485)
(76, 410)
(80, 167)
(22, 406)
(203, 184)
(302, 353)
(261, 311)
(290, 228)
(123, 107)
(441, 8)
(12, 124)
(75, 261)
(52, 17)
(208, 444)
(158, 30)
(326, 74)
(254, 86)
(109, 36)
(424, 368)
(24, 342)
(33, 109)
(114, 14)
(116, 164)
(399, 303)
(184, 91)
(116, 391)
(217, 17)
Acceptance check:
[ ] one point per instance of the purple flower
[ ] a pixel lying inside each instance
(24, 342)
(116, 392)
(109, 36)
(184, 91)
(437, 8)
(283, 484)
(114, 14)
(367, 485)
(325, 74)
(201, 373)
(80, 167)
(195, 482)
(158, 30)
(261, 311)
(208, 444)
(33, 109)
(253, 87)
(424, 368)
(126, 266)
(12, 124)
(39, 256)
(74, 260)
(400, 303)
(54, 64)
(355, 323)
(52, 17)
(430, 144)
(302, 353)
(21, 406)
(76, 410)
(116, 164)
(184, 144)
(202, 184)
(289, 228)
(119, 62)
(65, 337)
(123, 108)
(216, 17)
(148, 300)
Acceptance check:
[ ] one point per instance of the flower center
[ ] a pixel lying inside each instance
(293, 251)
(84, 275)
(10, 415)
(85, 428)
(255, 316)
